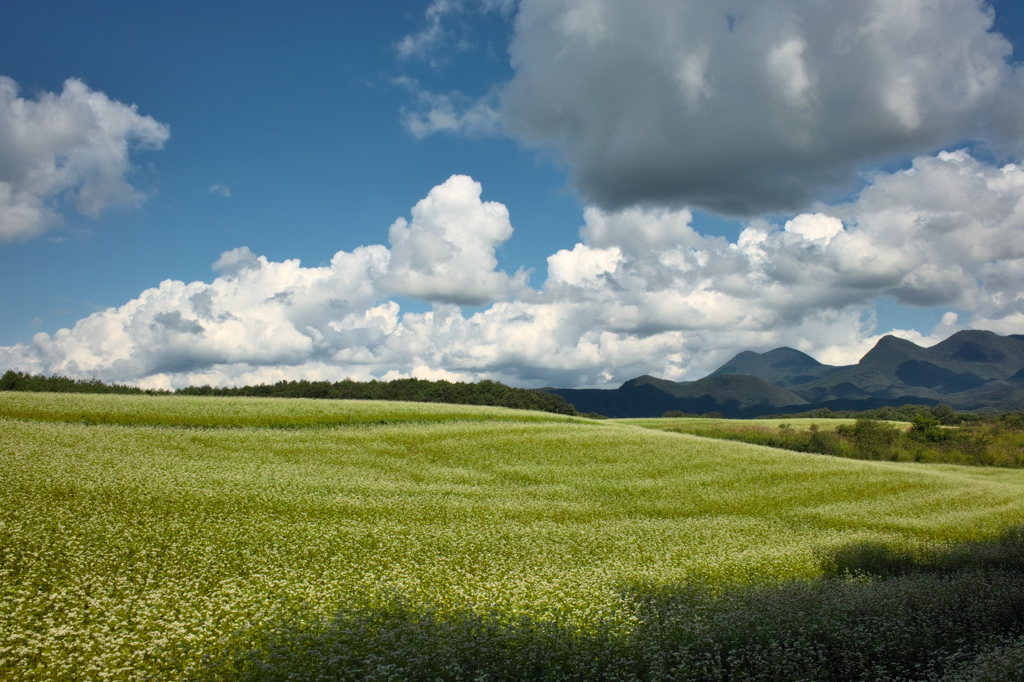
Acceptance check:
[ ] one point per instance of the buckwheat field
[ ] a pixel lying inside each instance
(153, 538)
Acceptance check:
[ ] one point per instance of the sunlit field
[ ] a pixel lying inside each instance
(181, 538)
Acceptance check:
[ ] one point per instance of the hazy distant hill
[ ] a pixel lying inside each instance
(971, 370)
(782, 366)
(735, 395)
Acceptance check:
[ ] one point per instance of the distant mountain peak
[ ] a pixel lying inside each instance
(647, 379)
(971, 370)
(780, 366)
(975, 346)
(647, 382)
(643, 379)
(892, 349)
(791, 357)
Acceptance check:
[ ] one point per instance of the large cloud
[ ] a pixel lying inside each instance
(747, 106)
(73, 145)
(642, 292)
(447, 252)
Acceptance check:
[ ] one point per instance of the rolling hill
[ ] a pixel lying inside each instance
(971, 370)
(249, 539)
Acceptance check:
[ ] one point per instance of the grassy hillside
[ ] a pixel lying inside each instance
(396, 541)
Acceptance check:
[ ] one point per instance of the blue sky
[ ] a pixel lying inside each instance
(295, 111)
(298, 132)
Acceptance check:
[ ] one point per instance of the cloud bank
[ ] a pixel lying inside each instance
(738, 107)
(642, 292)
(72, 147)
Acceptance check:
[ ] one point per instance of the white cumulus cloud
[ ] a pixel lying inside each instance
(71, 146)
(447, 252)
(643, 292)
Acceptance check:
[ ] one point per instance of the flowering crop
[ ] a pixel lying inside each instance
(134, 545)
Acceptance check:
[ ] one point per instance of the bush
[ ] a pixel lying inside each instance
(827, 442)
(927, 428)
(873, 439)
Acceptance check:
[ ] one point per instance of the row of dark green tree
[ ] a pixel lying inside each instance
(945, 414)
(38, 383)
(484, 392)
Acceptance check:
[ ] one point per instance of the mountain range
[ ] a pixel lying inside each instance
(972, 370)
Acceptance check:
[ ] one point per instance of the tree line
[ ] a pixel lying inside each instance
(945, 414)
(485, 392)
(935, 434)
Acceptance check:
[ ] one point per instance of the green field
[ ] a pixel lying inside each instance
(209, 538)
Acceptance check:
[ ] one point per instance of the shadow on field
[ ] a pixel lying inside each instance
(876, 614)
(1005, 552)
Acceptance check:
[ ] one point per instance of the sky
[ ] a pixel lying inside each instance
(541, 192)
